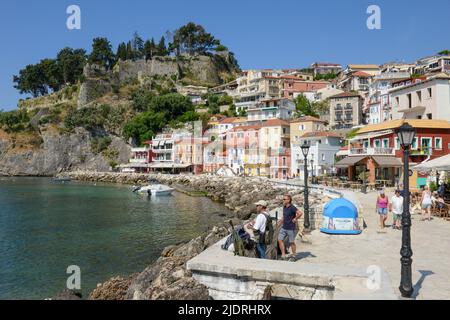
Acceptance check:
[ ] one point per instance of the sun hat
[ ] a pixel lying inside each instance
(262, 203)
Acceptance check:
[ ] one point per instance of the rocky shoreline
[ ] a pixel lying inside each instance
(168, 278)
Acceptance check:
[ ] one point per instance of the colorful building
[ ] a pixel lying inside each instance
(376, 149)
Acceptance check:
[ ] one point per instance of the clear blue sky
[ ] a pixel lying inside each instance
(263, 34)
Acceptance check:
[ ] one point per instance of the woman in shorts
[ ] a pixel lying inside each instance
(382, 208)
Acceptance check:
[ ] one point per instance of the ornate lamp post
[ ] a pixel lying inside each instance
(406, 135)
(312, 171)
(305, 151)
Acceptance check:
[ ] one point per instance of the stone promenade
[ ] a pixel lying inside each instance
(430, 245)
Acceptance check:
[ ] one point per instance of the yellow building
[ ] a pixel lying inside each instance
(301, 126)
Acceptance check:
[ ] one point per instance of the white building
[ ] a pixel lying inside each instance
(433, 64)
(378, 101)
(271, 109)
(428, 99)
(323, 148)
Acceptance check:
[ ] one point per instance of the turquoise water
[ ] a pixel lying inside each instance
(104, 229)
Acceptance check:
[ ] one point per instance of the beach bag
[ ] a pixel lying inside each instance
(268, 234)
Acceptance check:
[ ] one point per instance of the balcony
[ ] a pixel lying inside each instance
(422, 152)
(162, 150)
(143, 160)
(372, 151)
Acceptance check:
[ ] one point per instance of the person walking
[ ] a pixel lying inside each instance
(289, 224)
(396, 207)
(426, 204)
(382, 208)
(257, 228)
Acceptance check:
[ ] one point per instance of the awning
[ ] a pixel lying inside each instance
(439, 164)
(371, 135)
(349, 161)
(387, 161)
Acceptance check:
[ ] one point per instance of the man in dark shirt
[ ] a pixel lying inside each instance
(289, 223)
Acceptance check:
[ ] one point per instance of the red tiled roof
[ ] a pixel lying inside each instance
(246, 128)
(232, 120)
(307, 119)
(275, 122)
(361, 74)
(346, 94)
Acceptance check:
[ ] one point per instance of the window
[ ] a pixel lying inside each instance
(430, 93)
(415, 143)
(425, 143)
(397, 144)
(301, 127)
(409, 100)
(438, 143)
(385, 143)
(419, 95)
(323, 156)
(376, 143)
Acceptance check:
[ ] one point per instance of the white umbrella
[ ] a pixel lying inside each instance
(439, 164)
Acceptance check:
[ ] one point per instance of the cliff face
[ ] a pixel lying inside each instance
(56, 153)
(201, 70)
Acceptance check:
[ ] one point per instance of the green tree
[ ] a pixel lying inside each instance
(192, 38)
(144, 126)
(130, 52)
(102, 54)
(52, 74)
(141, 99)
(225, 100)
(71, 63)
(122, 52)
(172, 105)
(304, 107)
(32, 80)
(149, 49)
(137, 45)
(161, 49)
(444, 53)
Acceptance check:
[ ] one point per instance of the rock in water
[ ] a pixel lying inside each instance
(68, 295)
(113, 289)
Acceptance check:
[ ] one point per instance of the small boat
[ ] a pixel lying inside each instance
(155, 189)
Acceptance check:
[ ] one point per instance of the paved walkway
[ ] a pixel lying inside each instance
(430, 244)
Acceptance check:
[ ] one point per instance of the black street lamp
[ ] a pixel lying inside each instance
(406, 134)
(305, 151)
(312, 171)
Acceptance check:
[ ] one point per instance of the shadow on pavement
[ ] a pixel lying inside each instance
(418, 285)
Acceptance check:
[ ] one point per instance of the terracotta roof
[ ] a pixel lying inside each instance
(275, 122)
(246, 128)
(361, 74)
(346, 94)
(233, 120)
(416, 123)
(306, 119)
(320, 134)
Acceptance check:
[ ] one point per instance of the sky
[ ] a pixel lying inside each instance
(262, 34)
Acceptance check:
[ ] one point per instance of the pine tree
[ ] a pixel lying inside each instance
(122, 52)
(137, 46)
(130, 52)
(161, 49)
(149, 49)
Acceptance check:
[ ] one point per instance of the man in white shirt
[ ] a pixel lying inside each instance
(258, 226)
(396, 207)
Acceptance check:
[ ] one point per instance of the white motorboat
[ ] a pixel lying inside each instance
(156, 189)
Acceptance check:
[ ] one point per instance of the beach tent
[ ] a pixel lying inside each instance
(438, 164)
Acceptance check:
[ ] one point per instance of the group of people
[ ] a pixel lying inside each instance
(257, 227)
(419, 201)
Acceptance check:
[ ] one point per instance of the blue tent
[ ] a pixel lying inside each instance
(340, 216)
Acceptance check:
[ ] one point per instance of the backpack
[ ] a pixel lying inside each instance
(269, 232)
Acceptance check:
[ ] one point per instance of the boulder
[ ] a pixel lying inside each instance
(113, 289)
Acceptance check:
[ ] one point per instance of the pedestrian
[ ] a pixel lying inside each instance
(426, 204)
(288, 226)
(382, 208)
(257, 228)
(396, 207)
